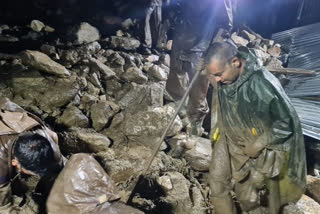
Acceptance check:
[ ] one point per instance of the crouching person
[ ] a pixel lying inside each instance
(26, 146)
(84, 187)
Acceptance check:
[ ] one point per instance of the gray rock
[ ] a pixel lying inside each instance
(134, 74)
(263, 56)
(84, 33)
(239, 41)
(73, 117)
(158, 73)
(126, 24)
(48, 49)
(37, 25)
(146, 127)
(144, 96)
(199, 156)
(124, 43)
(165, 59)
(8, 38)
(73, 56)
(101, 113)
(104, 70)
(305, 205)
(113, 86)
(179, 195)
(42, 62)
(48, 29)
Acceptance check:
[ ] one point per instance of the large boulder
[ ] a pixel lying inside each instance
(84, 33)
(42, 62)
(146, 127)
(73, 117)
(134, 97)
(126, 43)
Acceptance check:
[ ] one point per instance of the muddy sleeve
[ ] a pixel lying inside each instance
(278, 121)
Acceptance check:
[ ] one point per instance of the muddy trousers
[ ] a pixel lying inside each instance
(181, 73)
(156, 11)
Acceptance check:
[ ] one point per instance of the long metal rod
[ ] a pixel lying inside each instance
(164, 134)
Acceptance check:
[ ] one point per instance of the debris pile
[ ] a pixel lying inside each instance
(103, 96)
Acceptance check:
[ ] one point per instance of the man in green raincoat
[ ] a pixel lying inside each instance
(258, 144)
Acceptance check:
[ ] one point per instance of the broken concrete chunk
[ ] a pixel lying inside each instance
(124, 43)
(43, 63)
(37, 25)
(73, 117)
(84, 33)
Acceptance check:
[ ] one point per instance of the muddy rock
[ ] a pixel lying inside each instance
(104, 70)
(73, 56)
(83, 33)
(101, 113)
(179, 195)
(313, 188)
(42, 62)
(37, 25)
(134, 74)
(144, 96)
(125, 43)
(199, 156)
(73, 117)
(239, 41)
(79, 140)
(305, 205)
(158, 73)
(147, 126)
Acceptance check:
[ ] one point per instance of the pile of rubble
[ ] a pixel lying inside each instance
(105, 98)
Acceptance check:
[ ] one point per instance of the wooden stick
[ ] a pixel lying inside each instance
(296, 71)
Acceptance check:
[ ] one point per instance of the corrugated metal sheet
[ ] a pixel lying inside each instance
(309, 114)
(303, 46)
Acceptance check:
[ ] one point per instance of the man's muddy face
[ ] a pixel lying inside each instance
(224, 73)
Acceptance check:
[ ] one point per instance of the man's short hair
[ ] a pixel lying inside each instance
(221, 51)
(34, 153)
